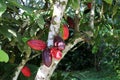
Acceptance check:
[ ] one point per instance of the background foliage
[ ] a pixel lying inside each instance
(21, 20)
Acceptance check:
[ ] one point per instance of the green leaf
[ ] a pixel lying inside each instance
(3, 56)
(109, 1)
(20, 47)
(40, 22)
(88, 0)
(25, 39)
(15, 3)
(74, 3)
(115, 10)
(28, 10)
(33, 30)
(94, 49)
(4, 31)
(2, 7)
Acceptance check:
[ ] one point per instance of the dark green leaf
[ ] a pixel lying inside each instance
(4, 31)
(2, 7)
(94, 49)
(114, 11)
(109, 1)
(15, 3)
(33, 30)
(40, 22)
(28, 10)
(25, 39)
(74, 3)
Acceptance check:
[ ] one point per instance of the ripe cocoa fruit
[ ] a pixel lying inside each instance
(47, 57)
(56, 53)
(65, 34)
(89, 5)
(37, 44)
(59, 43)
(26, 71)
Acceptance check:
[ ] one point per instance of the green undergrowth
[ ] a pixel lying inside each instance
(87, 74)
(106, 73)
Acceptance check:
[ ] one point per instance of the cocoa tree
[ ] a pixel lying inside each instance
(31, 28)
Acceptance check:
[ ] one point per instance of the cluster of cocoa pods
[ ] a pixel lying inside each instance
(48, 53)
(53, 52)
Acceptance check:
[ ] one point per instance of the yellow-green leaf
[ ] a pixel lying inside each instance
(3, 56)
(109, 1)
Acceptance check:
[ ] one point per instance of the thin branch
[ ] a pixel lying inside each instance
(35, 55)
(92, 15)
(77, 18)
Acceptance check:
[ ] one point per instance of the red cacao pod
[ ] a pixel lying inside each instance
(37, 44)
(59, 43)
(65, 34)
(26, 71)
(89, 5)
(56, 53)
(47, 57)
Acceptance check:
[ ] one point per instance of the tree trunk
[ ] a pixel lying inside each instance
(92, 15)
(44, 73)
